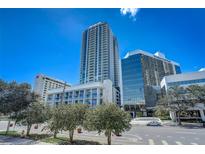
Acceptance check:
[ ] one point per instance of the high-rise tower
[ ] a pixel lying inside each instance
(99, 55)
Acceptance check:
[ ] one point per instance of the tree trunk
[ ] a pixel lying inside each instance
(71, 132)
(109, 137)
(55, 134)
(178, 119)
(28, 130)
(204, 124)
(7, 129)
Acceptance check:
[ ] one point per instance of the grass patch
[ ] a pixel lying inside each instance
(4, 119)
(31, 136)
(165, 118)
(10, 133)
(48, 139)
(57, 140)
(65, 141)
(38, 136)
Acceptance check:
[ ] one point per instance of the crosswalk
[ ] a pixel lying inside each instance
(178, 143)
(164, 142)
(151, 142)
(194, 144)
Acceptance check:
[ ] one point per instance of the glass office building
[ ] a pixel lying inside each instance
(142, 73)
(133, 84)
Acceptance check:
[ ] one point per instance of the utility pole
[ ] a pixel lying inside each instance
(62, 96)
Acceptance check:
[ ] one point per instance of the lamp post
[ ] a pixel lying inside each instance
(63, 92)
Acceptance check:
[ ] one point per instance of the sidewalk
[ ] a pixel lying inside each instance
(184, 125)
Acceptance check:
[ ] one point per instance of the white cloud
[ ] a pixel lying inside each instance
(202, 69)
(132, 11)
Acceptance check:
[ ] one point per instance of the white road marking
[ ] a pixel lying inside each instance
(137, 136)
(134, 140)
(164, 142)
(179, 132)
(182, 137)
(194, 143)
(179, 143)
(151, 142)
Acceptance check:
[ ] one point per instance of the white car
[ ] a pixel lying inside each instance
(145, 120)
(154, 123)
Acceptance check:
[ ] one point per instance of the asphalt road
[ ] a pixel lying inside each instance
(141, 135)
(147, 135)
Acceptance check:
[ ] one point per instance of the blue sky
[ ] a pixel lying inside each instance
(48, 41)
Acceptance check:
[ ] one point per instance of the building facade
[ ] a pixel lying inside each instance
(92, 94)
(100, 56)
(44, 83)
(185, 80)
(141, 76)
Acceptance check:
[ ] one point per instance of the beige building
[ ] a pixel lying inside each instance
(44, 83)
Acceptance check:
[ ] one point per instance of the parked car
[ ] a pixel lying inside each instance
(144, 120)
(154, 123)
(118, 134)
(79, 130)
(36, 127)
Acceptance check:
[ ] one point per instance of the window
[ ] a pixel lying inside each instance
(81, 94)
(88, 102)
(50, 97)
(94, 93)
(94, 102)
(76, 94)
(88, 93)
(186, 82)
(66, 95)
(57, 97)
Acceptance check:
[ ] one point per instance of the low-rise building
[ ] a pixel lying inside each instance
(43, 83)
(185, 80)
(92, 94)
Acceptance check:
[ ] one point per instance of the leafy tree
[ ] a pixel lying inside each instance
(161, 112)
(14, 98)
(107, 118)
(73, 116)
(55, 121)
(196, 93)
(175, 100)
(34, 114)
